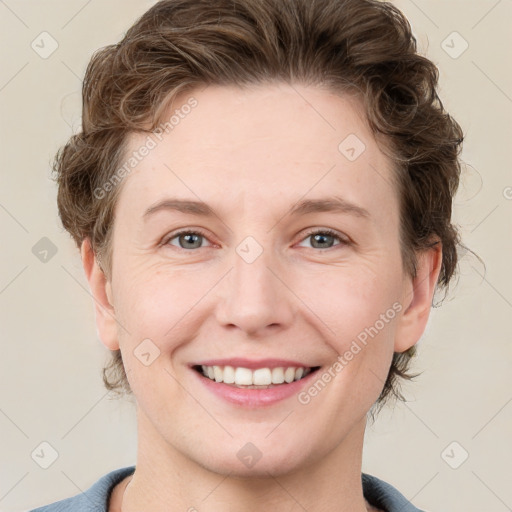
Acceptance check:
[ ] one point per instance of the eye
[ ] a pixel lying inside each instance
(324, 237)
(187, 239)
(193, 239)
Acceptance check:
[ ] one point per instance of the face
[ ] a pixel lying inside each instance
(292, 260)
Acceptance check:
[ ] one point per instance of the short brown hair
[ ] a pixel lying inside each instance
(360, 46)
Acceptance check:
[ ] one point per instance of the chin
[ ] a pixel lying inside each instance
(265, 467)
(255, 459)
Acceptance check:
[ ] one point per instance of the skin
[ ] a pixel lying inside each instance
(252, 154)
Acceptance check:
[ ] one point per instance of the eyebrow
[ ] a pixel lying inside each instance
(328, 204)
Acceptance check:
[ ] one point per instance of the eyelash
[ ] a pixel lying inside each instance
(342, 239)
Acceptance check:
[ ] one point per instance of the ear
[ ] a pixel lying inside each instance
(101, 290)
(417, 298)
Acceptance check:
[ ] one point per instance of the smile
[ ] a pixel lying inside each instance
(259, 378)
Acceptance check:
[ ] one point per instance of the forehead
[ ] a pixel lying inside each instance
(267, 143)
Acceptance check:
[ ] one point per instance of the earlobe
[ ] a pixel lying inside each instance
(101, 290)
(417, 298)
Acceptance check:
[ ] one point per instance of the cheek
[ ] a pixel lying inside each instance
(162, 305)
(155, 315)
(346, 301)
(358, 311)
(143, 293)
(349, 302)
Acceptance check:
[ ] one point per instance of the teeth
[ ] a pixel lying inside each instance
(229, 375)
(289, 375)
(277, 375)
(261, 377)
(243, 377)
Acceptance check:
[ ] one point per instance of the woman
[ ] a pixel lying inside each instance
(262, 195)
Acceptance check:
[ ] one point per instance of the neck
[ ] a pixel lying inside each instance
(165, 476)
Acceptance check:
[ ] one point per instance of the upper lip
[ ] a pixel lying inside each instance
(240, 362)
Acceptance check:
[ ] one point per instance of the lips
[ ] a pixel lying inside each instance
(253, 364)
(255, 378)
(277, 383)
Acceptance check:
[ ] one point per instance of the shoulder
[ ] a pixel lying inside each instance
(94, 499)
(384, 496)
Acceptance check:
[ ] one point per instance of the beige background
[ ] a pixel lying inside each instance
(51, 358)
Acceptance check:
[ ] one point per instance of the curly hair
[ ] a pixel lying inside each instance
(364, 47)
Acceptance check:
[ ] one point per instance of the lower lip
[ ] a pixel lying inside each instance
(255, 397)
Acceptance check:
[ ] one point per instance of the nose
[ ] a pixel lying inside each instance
(255, 297)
